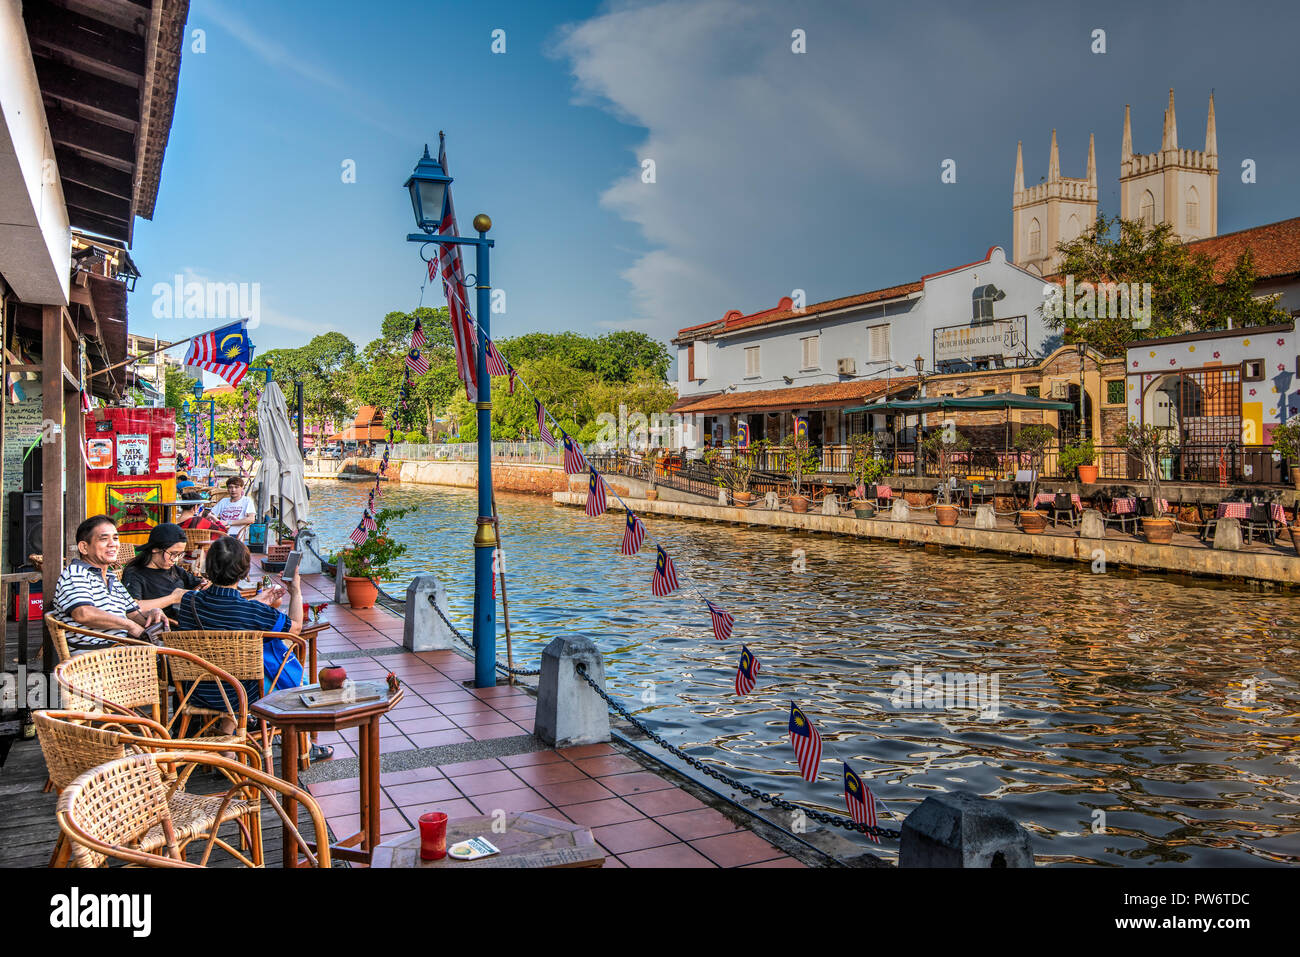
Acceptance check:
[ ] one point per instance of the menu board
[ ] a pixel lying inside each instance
(22, 428)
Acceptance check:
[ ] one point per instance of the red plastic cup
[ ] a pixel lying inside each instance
(433, 836)
(306, 611)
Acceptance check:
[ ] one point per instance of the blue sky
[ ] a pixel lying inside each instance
(774, 170)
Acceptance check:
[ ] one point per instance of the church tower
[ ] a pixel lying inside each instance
(1175, 186)
(1056, 210)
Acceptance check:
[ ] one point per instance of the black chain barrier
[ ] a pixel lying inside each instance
(470, 645)
(834, 820)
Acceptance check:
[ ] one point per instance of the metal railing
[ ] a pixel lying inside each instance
(523, 453)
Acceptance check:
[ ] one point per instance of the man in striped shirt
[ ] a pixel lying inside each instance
(89, 595)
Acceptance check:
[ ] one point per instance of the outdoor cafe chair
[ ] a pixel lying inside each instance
(1260, 518)
(68, 638)
(1020, 487)
(124, 681)
(1062, 504)
(197, 542)
(125, 552)
(111, 810)
(240, 654)
(75, 742)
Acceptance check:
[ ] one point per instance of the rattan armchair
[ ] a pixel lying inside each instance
(197, 542)
(124, 681)
(108, 811)
(237, 652)
(68, 637)
(74, 742)
(125, 552)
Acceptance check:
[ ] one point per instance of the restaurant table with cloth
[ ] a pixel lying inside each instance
(1049, 498)
(1241, 510)
(286, 710)
(524, 839)
(1129, 506)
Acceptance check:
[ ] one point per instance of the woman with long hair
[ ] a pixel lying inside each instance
(153, 577)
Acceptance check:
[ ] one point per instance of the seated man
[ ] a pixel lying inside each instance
(191, 516)
(89, 595)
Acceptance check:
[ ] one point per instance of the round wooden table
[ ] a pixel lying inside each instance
(286, 710)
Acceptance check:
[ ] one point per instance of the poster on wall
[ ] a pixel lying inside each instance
(166, 446)
(133, 454)
(23, 423)
(99, 453)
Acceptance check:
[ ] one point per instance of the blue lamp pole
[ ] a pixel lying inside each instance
(428, 186)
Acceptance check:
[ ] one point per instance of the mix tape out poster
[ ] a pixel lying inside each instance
(133, 454)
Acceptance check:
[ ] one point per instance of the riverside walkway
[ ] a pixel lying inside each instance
(464, 751)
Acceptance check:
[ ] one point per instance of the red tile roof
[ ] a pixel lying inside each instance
(794, 397)
(1275, 248)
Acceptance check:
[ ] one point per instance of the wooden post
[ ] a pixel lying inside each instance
(52, 348)
(74, 444)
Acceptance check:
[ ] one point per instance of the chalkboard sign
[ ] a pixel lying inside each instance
(22, 428)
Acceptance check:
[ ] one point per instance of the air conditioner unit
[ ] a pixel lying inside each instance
(846, 366)
(1060, 390)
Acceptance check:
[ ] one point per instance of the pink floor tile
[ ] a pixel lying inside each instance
(573, 792)
(486, 732)
(704, 822)
(417, 791)
(487, 782)
(552, 773)
(779, 862)
(471, 767)
(671, 855)
(531, 759)
(411, 774)
(598, 813)
(668, 801)
(607, 764)
(520, 799)
(586, 751)
(734, 850)
(637, 782)
(452, 807)
(632, 836)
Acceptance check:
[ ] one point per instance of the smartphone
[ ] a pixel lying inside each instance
(291, 566)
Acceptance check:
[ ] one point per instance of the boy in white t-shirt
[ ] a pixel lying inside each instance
(237, 510)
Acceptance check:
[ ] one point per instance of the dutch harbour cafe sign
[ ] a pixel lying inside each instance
(1002, 337)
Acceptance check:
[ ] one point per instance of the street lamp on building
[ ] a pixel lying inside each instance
(1081, 348)
(428, 185)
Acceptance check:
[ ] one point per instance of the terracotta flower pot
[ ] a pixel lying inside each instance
(1087, 474)
(799, 503)
(1158, 531)
(362, 592)
(1295, 538)
(946, 515)
(742, 498)
(1032, 522)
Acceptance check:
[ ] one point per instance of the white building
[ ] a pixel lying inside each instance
(771, 365)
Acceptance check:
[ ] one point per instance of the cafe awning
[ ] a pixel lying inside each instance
(1003, 400)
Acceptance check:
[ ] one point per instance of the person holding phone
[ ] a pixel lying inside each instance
(153, 577)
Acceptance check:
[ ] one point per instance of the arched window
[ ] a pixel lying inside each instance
(1072, 229)
(1035, 238)
(1147, 211)
(1193, 208)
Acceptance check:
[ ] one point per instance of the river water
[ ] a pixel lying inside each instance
(1134, 721)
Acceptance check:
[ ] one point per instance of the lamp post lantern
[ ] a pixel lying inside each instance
(1082, 348)
(428, 185)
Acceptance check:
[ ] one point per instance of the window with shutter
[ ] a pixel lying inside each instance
(751, 361)
(811, 359)
(701, 360)
(878, 343)
(690, 363)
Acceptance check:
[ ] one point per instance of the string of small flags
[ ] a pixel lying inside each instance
(804, 736)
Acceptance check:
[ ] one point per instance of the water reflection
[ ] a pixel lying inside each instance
(1123, 702)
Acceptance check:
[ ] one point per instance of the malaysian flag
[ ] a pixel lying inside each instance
(595, 495)
(807, 743)
(359, 535)
(665, 579)
(368, 521)
(417, 362)
(417, 334)
(495, 364)
(225, 352)
(861, 802)
(463, 332)
(575, 463)
(722, 621)
(746, 672)
(370, 502)
(513, 374)
(541, 424)
(633, 535)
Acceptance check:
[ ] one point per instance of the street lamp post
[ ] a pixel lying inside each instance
(919, 362)
(428, 187)
(1082, 349)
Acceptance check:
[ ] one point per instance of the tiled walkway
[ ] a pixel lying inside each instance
(640, 818)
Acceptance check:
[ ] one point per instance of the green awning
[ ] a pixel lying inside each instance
(1003, 400)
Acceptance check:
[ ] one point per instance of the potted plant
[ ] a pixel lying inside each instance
(372, 559)
(800, 462)
(652, 464)
(867, 469)
(943, 446)
(1149, 444)
(1286, 441)
(735, 469)
(1080, 456)
(1034, 439)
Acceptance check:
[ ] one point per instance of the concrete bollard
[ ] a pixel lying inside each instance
(898, 512)
(771, 501)
(340, 587)
(985, 517)
(569, 712)
(1227, 533)
(831, 505)
(306, 543)
(722, 497)
(424, 629)
(962, 830)
(1092, 524)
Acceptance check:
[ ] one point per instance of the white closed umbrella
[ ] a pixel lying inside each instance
(279, 476)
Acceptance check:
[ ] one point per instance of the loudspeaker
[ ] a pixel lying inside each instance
(24, 526)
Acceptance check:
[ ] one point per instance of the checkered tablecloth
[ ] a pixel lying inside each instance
(1129, 506)
(1049, 498)
(1242, 510)
(882, 491)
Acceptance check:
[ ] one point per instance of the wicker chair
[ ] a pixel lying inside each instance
(197, 542)
(125, 552)
(237, 652)
(74, 742)
(124, 681)
(68, 638)
(110, 810)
